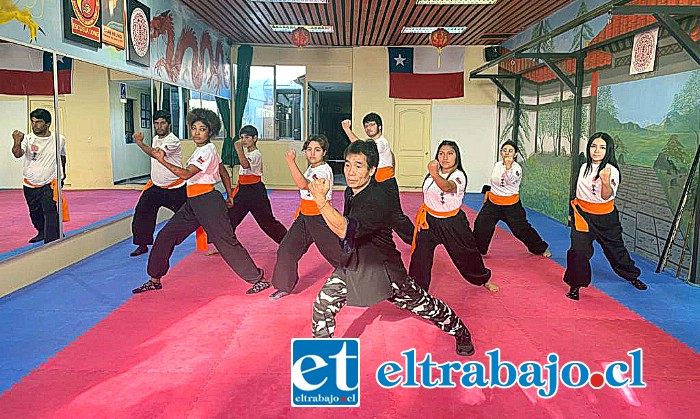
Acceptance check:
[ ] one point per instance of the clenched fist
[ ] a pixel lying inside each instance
(290, 156)
(508, 162)
(605, 175)
(433, 167)
(17, 136)
(158, 154)
(346, 124)
(138, 137)
(318, 189)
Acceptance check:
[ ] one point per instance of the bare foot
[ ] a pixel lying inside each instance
(491, 287)
(547, 253)
(212, 251)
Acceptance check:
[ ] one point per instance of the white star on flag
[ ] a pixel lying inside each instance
(399, 60)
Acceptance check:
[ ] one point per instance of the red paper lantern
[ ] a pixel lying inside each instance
(439, 38)
(301, 37)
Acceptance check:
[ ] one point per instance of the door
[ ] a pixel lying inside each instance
(411, 143)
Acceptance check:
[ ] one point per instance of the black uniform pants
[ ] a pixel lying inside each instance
(515, 218)
(146, 212)
(43, 211)
(305, 231)
(208, 211)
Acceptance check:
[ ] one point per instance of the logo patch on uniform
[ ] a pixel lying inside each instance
(314, 177)
(517, 173)
(612, 181)
(201, 159)
(459, 180)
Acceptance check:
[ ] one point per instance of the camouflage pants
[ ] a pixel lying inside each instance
(408, 296)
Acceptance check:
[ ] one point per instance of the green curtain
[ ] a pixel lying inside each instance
(245, 58)
(225, 111)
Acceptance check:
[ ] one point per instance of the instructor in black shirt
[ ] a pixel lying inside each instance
(371, 268)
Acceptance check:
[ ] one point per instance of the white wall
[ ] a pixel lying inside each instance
(473, 128)
(128, 160)
(13, 115)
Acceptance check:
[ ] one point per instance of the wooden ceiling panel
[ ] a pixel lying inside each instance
(367, 22)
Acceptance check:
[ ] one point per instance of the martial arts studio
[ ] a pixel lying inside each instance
(572, 126)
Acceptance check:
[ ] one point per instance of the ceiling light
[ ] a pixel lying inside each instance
(455, 2)
(430, 29)
(294, 1)
(310, 28)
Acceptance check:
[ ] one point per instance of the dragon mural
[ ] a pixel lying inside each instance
(203, 53)
(9, 11)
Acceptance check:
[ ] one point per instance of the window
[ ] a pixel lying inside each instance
(171, 103)
(275, 103)
(129, 121)
(145, 111)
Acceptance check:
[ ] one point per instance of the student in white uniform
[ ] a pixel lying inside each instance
(440, 220)
(373, 126)
(596, 218)
(204, 207)
(40, 174)
(309, 227)
(164, 189)
(502, 203)
(250, 194)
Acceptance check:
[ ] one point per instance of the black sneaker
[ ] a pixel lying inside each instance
(147, 286)
(36, 239)
(139, 251)
(259, 286)
(638, 284)
(464, 345)
(573, 293)
(278, 294)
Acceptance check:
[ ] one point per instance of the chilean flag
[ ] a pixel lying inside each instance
(414, 73)
(27, 71)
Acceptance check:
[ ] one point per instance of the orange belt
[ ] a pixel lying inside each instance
(501, 200)
(199, 189)
(150, 184)
(580, 223)
(54, 188)
(307, 207)
(422, 220)
(246, 180)
(384, 173)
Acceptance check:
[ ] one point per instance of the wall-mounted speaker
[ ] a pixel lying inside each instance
(492, 52)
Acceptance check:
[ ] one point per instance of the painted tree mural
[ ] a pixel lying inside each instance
(542, 28)
(524, 129)
(584, 33)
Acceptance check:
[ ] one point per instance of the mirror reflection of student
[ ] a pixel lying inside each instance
(40, 174)
(164, 189)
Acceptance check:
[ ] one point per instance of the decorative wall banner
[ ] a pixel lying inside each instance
(206, 69)
(139, 27)
(644, 52)
(113, 23)
(82, 22)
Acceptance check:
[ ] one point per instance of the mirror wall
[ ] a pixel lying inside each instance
(28, 166)
(99, 111)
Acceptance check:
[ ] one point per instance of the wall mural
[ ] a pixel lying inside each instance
(656, 126)
(183, 50)
(180, 54)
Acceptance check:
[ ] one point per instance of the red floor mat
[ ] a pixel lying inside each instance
(201, 348)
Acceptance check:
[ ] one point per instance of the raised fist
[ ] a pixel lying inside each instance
(138, 137)
(290, 155)
(17, 136)
(433, 166)
(346, 124)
